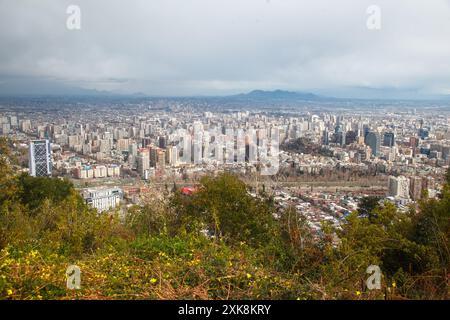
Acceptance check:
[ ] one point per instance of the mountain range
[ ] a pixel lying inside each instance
(44, 87)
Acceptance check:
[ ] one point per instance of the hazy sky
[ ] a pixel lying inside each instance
(190, 47)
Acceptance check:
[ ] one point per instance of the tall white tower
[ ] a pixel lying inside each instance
(40, 158)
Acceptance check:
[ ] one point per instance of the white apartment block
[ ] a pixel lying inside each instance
(399, 187)
(103, 199)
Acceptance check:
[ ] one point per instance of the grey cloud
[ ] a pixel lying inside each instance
(184, 47)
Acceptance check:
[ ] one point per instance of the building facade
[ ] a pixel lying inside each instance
(40, 158)
(103, 199)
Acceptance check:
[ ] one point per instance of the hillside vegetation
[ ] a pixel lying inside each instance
(219, 243)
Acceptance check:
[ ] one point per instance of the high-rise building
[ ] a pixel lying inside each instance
(373, 140)
(172, 155)
(162, 142)
(366, 131)
(123, 144)
(40, 162)
(13, 121)
(415, 189)
(389, 139)
(326, 137)
(153, 156)
(339, 135)
(143, 162)
(25, 125)
(399, 187)
(161, 160)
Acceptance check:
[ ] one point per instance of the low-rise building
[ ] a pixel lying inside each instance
(103, 199)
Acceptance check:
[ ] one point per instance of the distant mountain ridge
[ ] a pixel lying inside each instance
(278, 95)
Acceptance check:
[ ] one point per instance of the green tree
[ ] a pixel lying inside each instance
(367, 206)
(226, 209)
(32, 191)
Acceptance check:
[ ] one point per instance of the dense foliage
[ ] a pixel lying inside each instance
(219, 243)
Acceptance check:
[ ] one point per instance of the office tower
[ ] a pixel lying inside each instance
(366, 131)
(162, 142)
(153, 157)
(143, 162)
(326, 138)
(340, 139)
(40, 163)
(373, 140)
(339, 134)
(389, 139)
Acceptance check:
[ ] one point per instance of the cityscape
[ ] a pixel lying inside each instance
(228, 157)
(323, 161)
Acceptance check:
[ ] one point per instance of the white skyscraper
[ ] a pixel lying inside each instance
(143, 162)
(40, 158)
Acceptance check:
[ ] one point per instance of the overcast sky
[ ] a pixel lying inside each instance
(209, 47)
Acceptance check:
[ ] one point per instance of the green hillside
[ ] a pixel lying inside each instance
(219, 243)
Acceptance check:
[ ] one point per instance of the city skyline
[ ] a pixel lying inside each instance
(224, 150)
